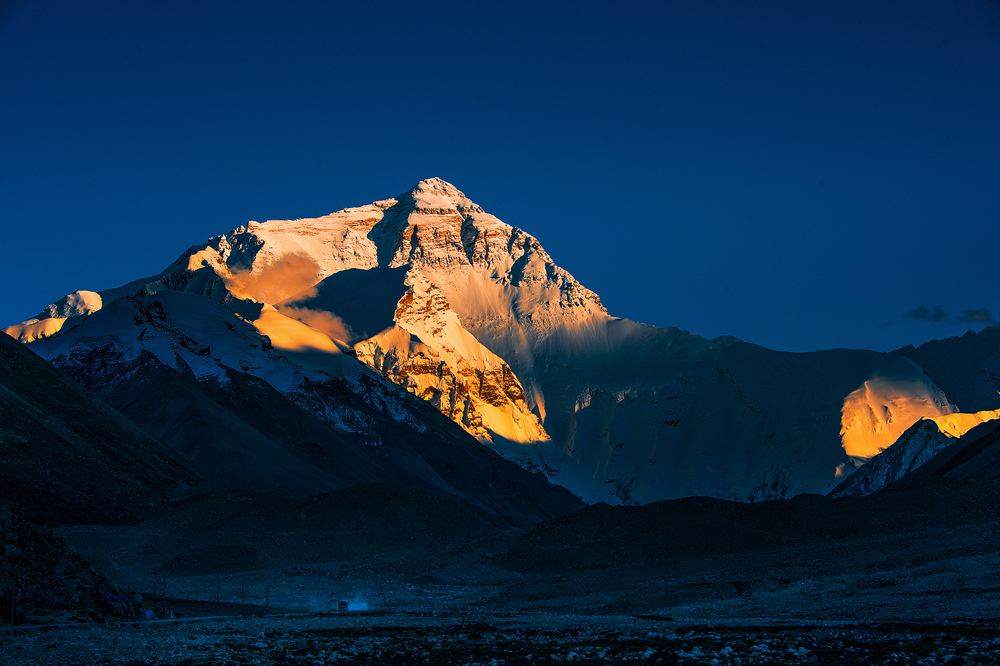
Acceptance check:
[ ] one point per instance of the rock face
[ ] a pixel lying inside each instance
(435, 295)
(433, 356)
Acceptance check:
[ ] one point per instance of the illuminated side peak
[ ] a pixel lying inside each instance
(959, 423)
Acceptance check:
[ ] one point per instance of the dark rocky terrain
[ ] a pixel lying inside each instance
(471, 638)
(43, 581)
(908, 575)
(69, 457)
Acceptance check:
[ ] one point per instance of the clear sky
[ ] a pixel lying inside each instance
(798, 174)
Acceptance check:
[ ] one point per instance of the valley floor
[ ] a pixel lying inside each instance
(926, 591)
(794, 605)
(478, 637)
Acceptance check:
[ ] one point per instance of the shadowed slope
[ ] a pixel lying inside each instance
(170, 361)
(70, 457)
(975, 457)
(966, 367)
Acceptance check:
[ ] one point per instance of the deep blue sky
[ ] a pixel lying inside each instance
(798, 174)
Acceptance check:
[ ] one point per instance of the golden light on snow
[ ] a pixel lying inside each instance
(539, 399)
(35, 329)
(325, 322)
(511, 425)
(959, 423)
(55, 315)
(876, 413)
(291, 334)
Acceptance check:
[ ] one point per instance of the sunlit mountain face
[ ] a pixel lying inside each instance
(429, 292)
(51, 319)
(877, 412)
(917, 446)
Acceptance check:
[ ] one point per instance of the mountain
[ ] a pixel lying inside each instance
(973, 459)
(179, 356)
(428, 294)
(51, 319)
(929, 545)
(967, 367)
(48, 581)
(196, 465)
(67, 457)
(917, 445)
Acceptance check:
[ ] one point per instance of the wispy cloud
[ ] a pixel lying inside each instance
(938, 315)
(292, 276)
(976, 316)
(924, 313)
(325, 322)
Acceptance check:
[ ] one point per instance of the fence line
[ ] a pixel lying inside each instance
(226, 593)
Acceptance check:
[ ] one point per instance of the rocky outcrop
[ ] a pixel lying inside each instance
(41, 580)
(433, 356)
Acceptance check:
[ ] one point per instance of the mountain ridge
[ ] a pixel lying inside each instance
(475, 318)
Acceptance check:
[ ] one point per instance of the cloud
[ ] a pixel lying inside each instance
(924, 313)
(938, 315)
(976, 316)
(326, 322)
(292, 276)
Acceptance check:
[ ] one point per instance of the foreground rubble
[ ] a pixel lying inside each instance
(474, 638)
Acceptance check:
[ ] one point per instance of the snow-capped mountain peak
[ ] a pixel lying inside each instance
(437, 194)
(488, 274)
(429, 291)
(55, 316)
